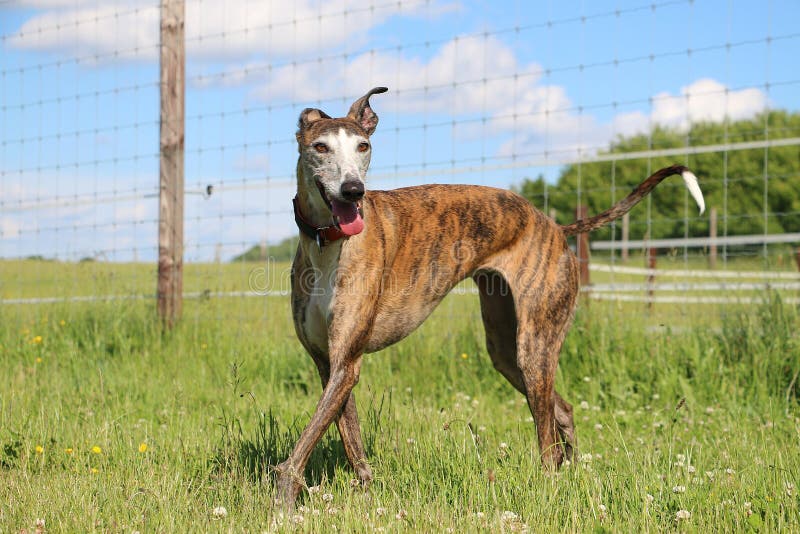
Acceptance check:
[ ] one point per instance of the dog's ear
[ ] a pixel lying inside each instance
(308, 117)
(362, 113)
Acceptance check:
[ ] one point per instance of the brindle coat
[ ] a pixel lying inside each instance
(360, 294)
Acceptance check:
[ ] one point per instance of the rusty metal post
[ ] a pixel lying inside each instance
(712, 233)
(171, 189)
(626, 226)
(583, 248)
(651, 277)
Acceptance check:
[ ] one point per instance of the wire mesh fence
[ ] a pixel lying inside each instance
(570, 104)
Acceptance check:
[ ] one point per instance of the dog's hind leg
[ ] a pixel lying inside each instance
(500, 322)
(349, 428)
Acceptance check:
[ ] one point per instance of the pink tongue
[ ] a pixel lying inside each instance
(350, 221)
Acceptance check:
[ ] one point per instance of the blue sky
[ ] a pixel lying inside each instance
(480, 92)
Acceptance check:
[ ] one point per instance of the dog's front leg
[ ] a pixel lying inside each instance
(344, 375)
(349, 428)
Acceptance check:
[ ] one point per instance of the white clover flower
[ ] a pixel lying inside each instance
(681, 515)
(598, 426)
(730, 471)
(380, 511)
(480, 515)
(327, 497)
(691, 469)
(508, 515)
(410, 441)
(679, 489)
(298, 519)
(503, 445)
(302, 509)
(402, 514)
(333, 510)
(584, 405)
(586, 457)
(219, 512)
(680, 457)
(313, 490)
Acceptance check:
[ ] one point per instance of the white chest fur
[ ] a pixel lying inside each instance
(319, 312)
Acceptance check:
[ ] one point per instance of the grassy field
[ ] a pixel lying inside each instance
(109, 424)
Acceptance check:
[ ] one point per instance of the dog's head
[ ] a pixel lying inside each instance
(335, 154)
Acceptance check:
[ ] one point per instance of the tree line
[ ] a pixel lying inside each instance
(741, 205)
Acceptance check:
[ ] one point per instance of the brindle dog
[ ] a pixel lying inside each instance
(371, 266)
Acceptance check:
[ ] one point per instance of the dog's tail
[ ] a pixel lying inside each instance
(624, 206)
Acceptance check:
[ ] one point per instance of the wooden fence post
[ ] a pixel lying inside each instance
(171, 189)
(583, 248)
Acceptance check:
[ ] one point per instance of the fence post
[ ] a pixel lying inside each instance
(626, 227)
(171, 190)
(583, 248)
(651, 277)
(712, 233)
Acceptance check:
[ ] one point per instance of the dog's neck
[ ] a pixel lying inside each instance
(312, 207)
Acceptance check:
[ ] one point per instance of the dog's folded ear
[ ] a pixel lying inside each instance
(309, 116)
(362, 113)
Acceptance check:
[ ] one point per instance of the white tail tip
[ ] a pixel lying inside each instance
(691, 184)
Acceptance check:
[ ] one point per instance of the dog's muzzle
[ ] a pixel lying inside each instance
(352, 190)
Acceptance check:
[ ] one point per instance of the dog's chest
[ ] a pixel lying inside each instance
(321, 298)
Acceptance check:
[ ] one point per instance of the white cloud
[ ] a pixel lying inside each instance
(706, 100)
(9, 228)
(129, 29)
(466, 75)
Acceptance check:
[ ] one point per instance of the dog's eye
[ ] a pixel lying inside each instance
(322, 148)
(363, 147)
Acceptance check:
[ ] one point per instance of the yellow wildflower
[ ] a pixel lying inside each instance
(143, 447)
(94, 470)
(62, 322)
(36, 340)
(39, 449)
(97, 450)
(38, 359)
(464, 356)
(68, 450)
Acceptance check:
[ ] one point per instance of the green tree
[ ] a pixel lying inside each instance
(283, 251)
(740, 205)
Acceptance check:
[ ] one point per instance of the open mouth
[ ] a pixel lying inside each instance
(346, 215)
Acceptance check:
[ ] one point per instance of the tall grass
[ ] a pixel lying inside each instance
(107, 423)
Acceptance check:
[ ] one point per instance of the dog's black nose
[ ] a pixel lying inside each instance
(353, 190)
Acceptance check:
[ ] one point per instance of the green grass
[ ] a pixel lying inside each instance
(224, 396)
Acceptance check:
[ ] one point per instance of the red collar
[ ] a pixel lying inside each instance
(321, 234)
